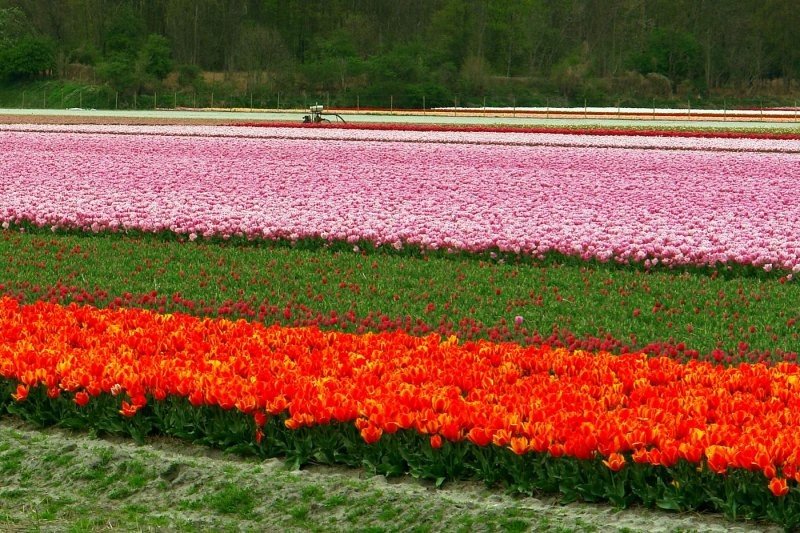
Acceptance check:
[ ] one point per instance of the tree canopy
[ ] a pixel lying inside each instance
(415, 47)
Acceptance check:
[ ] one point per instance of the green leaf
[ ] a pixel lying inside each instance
(669, 504)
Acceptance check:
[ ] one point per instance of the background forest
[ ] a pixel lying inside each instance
(405, 53)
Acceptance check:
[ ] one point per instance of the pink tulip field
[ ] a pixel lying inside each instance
(669, 200)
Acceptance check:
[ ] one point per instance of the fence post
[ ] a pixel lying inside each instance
(689, 109)
(391, 103)
(423, 104)
(358, 103)
(585, 113)
(155, 100)
(212, 99)
(23, 99)
(279, 100)
(547, 115)
(62, 97)
(654, 108)
(116, 99)
(251, 101)
(80, 98)
(175, 100)
(514, 101)
(484, 106)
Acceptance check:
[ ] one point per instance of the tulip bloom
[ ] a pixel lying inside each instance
(615, 462)
(778, 486)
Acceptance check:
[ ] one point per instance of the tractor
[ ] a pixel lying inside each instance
(315, 116)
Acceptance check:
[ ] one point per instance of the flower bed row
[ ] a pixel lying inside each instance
(692, 141)
(687, 131)
(294, 314)
(646, 206)
(626, 428)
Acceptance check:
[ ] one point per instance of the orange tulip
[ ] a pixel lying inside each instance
(519, 445)
(128, 409)
(479, 436)
(436, 442)
(615, 462)
(371, 434)
(778, 486)
(81, 398)
(21, 394)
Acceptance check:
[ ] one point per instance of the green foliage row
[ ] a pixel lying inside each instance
(465, 294)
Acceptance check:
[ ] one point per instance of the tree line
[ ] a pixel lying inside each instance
(573, 50)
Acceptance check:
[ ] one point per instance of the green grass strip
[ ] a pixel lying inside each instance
(742, 312)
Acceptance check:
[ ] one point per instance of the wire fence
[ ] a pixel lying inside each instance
(105, 98)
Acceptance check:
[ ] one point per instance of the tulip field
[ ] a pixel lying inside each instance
(598, 315)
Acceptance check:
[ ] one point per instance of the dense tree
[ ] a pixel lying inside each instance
(417, 47)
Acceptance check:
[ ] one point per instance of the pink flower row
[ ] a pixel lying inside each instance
(604, 199)
(666, 142)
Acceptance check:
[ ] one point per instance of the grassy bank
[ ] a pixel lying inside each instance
(727, 315)
(56, 480)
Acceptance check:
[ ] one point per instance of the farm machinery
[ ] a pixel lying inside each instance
(316, 116)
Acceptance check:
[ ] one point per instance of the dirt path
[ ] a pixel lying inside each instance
(54, 480)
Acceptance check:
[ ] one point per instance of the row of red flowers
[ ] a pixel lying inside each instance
(529, 399)
(578, 130)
